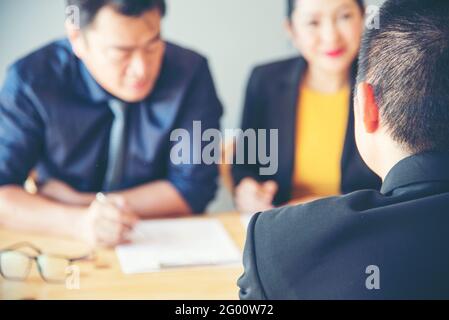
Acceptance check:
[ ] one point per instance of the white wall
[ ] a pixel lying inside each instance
(26, 25)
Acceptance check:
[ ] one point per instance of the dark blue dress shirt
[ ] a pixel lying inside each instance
(55, 117)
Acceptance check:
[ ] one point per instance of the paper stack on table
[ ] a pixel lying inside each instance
(160, 244)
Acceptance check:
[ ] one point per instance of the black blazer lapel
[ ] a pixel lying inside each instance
(284, 120)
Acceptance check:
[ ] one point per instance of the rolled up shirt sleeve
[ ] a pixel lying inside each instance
(197, 183)
(21, 130)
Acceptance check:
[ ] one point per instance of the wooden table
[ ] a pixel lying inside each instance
(103, 279)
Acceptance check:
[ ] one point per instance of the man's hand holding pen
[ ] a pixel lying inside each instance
(108, 221)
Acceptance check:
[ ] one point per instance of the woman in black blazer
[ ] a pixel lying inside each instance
(327, 33)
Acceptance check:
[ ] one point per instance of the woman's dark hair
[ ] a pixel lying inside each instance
(89, 8)
(291, 4)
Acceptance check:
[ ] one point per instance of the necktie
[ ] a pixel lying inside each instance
(116, 154)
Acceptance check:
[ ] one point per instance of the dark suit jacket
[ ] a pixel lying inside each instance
(271, 103)
(322, 250)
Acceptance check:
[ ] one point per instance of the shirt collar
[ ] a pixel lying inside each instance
(95, 91)
(424, 167)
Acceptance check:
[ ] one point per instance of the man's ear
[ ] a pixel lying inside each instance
(76, 39)
(366, 109)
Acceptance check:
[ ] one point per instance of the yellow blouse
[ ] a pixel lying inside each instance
(320, 134)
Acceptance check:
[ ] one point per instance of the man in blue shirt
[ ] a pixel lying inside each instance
(93, 113)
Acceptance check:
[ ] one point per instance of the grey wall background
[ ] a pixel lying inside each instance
(234, 34)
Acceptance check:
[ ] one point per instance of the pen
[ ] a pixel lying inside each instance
(103, 199)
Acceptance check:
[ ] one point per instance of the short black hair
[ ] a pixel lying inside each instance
(291, 5)
(89, 8)
(406, 61)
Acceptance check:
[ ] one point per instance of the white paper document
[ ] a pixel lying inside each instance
(160, 244)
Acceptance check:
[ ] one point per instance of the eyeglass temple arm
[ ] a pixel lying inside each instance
(23, 245)
(89, 256)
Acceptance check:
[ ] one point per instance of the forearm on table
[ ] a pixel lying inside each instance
(23, 211)
(158, 199)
